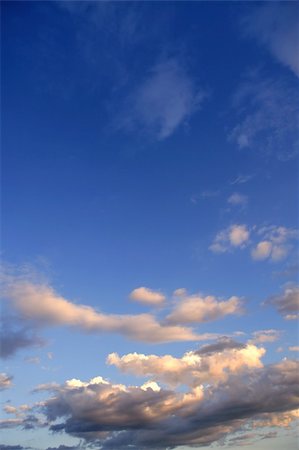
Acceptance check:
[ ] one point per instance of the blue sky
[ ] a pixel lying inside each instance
(150, 225)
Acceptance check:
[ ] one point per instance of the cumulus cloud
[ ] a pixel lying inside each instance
(198, 309)
(275, 26)
(232, 237)
(40, 304)
(116, 416)
(166, 99)
(276, 243)
(267, 117)
(194, 368)
(287, 302)
(237, 199)
(147, 296)
(5, 381)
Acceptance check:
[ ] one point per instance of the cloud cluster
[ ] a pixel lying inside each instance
(287, 302)
(194, 368)
(272, 243)
(147, 296)
(166, 98)
(116, 416)
(232, 237)
(275, 244)
(199, 309)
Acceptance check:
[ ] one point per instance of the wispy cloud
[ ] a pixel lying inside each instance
(267, 117)
(237, 199)
(166, 98)
(275, 26)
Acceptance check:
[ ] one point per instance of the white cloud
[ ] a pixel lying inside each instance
(198, 309)
(262, 250)
(275, 26)
(165, 100)
(193, 368)
(237, 199)
(147, 296)
(232, 237)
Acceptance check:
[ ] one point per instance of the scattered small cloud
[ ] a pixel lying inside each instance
(5, 381)
(294, 348)
(237, 199)
(33, 360)
(147, 296)
(232, 237)
(241, 179)
(276, 243)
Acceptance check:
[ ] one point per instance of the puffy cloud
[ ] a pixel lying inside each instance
(287, 303)
(40, 304)
(147, 296)
(232, 237)
(165, 100)
(198, 309)
(115, 416)
(276, 244)
(5, 381)
(194, 368)
(266, 116)
(276, 26)
(237, 199)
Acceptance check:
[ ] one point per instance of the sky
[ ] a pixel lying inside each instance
(149, 225)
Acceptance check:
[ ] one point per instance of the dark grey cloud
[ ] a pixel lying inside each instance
(15, 336)
(287, 302)
(222, 344)
(13, 447)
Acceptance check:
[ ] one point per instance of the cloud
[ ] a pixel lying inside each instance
(276, 243)
(116, 416)
(5, 381)
(194, 368)
(275, 26)
(198, 309)
(237, 199)
(42, 306)
(267, 115)
(16, 336)
(241, 179)
(294, 348)
(163, 101)
(263, 336)
(287, 303)
(147, 296)
(232, 237)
